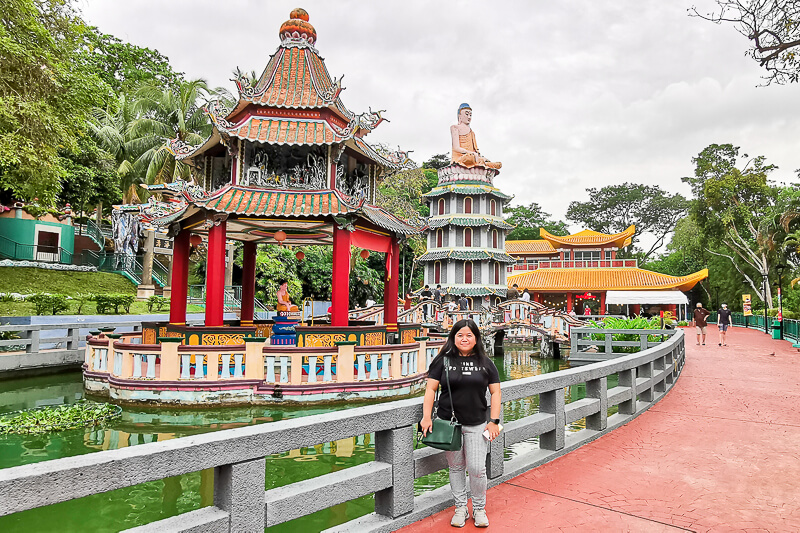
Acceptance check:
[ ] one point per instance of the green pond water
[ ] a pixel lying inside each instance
(148, 502)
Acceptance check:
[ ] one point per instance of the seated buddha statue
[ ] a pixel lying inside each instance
(465, 149)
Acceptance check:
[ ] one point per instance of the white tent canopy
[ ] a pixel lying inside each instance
(646, 297)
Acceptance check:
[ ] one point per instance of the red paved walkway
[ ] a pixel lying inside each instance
(721, 452)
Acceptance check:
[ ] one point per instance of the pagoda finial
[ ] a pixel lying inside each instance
(298, 27)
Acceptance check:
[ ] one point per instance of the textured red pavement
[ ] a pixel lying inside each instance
(718, 453)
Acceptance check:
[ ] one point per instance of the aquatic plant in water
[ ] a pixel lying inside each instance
(58, 418)
(626, 323)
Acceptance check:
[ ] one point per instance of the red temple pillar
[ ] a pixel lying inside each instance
(637, 309)
(215, 275)
(248, 283)
(390, 286)
(602, 303)
(340, 294)
(569, 302)
(179, 283)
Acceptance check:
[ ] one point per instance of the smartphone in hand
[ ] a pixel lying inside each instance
(486, 432)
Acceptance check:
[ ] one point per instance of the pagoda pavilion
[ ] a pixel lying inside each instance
(287, 165)
(580, 270)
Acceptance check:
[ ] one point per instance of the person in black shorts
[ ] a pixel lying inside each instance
(723, 322)
(471, 373)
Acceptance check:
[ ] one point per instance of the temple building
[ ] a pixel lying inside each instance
(466, 232)
(583, 270)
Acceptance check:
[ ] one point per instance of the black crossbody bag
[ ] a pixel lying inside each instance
(444, 434)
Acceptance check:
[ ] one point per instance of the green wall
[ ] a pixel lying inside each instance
(23, 232)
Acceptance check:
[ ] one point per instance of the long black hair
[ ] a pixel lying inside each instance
(449, 349)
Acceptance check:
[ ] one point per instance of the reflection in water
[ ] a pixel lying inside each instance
(152, 501)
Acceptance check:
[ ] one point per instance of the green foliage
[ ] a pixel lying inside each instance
(365, 282)
(683, 323)
(438, 161)
(625, 323)
(89, 177)
(81, 299)
(59, 418)
(314, 272)
(106, 302)
(7, 297)
(32, 280)
(124, 66)
(157, 302)
(46, 93)
(274, 263)
(528, 219)
(48, 303)
(613, 208)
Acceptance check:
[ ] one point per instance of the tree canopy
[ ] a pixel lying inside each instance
(528, 219)
(773, 28)
(613, 208)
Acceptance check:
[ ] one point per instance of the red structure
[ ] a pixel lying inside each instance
(289, 160)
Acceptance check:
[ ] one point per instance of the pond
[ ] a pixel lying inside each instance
(148, 502)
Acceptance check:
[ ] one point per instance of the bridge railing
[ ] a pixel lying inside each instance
(238, 455)
(581, 338)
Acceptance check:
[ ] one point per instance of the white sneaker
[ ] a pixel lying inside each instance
(481, 520)
(460, 517)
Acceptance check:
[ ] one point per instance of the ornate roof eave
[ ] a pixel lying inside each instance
(466, 190)
(465, 255)
(468, 222)
(398, 160)
(182, 150)
(600, 279)
(590, 238)
(180, 189)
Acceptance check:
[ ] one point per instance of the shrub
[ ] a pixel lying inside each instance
(103, 303)
(81, 299)
(683, 323)
(48, 303)
(7, 297)
(625, 323)
(157, 302)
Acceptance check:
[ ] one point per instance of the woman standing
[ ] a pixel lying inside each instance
(471, 372)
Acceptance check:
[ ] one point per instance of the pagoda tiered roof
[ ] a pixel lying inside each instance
(602, 279)
(591, 238)
(466, 255)
(497, 222)
(467, 189)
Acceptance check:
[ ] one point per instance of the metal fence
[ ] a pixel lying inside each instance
(238, 455)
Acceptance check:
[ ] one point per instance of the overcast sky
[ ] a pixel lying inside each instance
(567, 95)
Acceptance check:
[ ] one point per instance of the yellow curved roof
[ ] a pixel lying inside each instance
(537, 246)
(602, 279)
(588, 237)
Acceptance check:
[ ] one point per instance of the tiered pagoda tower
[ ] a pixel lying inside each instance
(466, 232)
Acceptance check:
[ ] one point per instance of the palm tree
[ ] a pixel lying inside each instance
(111, 127)
(164, 114)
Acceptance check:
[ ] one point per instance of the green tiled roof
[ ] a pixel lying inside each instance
(466, 255)
(469, 222)
(466, 189)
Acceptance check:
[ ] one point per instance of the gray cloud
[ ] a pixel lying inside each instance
(567, 95)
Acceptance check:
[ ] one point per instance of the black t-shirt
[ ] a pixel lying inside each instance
(470, 377)
(437, 295)
(426, 294)
(724, 317)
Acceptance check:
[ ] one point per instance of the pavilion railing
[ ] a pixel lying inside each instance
(239, 455)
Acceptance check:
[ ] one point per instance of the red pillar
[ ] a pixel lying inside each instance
(390, 284)
(602, 303)
(248, 283)
(569, 302)
(179, 284)
(340, 296)
(215, 275)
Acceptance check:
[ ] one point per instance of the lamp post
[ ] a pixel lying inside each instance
(765, 279)
(779, 269)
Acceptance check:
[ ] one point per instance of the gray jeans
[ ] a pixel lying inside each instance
(472, 457)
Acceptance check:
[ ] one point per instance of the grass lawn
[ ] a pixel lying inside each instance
(32, 280)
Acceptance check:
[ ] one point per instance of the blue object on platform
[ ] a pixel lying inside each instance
(283, 340)
(283, 329)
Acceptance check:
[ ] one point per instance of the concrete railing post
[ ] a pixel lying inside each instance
(627, 378)
(552, 402)
(393, 447)
(643, 341)
(609, 341)
(170, 359)
(239, 490)
(296, 368)
(396, 364)
(658, 367)
(346, 360)
(646, 371)
(33, 335)
(74, 338)
(598, 388)
(254, 358)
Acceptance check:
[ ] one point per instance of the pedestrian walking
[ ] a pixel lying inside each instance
(699, 318)
(723, 323)
(425, 294)
(463, 365)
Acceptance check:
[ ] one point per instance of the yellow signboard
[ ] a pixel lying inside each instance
(746, 305)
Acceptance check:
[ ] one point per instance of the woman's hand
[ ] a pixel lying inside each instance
(493, 430)
(425, 425)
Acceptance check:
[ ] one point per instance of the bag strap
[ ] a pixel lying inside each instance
(450, 391)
